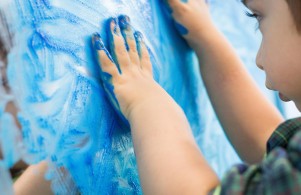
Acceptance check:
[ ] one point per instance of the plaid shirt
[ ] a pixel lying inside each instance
(279, 173)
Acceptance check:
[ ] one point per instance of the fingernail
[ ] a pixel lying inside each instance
(124, 21)
(98, 44)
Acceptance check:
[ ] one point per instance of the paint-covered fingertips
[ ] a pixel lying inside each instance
(113, 26)
(138, 36)
(124, 22)
(97, 42)
(104, 58)
(143, 52)
(127, 32)
(139, 42)
(173, 3)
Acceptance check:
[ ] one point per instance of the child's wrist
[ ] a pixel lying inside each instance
(200, 35)
(149, 103)
(139, 107)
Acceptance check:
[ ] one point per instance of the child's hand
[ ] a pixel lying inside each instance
(126, 69)
(192, 18)
(159, 128)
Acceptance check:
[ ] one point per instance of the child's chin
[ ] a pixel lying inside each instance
(283, 97)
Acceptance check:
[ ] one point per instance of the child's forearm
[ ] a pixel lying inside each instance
(246, 115)
(166, 152)
(168, 158)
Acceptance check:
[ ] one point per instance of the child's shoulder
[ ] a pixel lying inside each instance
(284, 134)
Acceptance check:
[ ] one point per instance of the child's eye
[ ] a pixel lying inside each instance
(253, 15)
(256, 16)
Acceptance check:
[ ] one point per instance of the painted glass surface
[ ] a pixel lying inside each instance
(65, 116)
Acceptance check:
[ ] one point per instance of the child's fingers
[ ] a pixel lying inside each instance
(128, 35)
(109, 73)
(117, 45)
(174, 3)
(145, 61)
(104, 58)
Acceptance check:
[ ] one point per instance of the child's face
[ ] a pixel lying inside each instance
(279, 55)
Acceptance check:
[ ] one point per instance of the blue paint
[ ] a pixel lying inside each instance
(116, 30)
(110, 32)
(166, 8)
(98, 44)
(65, 111)
(126, 29)
(182, 30)
(139, 39)
(109, 88)
(107, 80)
(124, 24)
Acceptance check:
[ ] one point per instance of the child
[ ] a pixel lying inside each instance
(169, 160)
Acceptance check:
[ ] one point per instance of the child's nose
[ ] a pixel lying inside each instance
(259, 60)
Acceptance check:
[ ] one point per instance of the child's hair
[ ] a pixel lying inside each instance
(295, 7)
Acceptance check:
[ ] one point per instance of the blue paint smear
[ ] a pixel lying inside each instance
(65, 116)
(182, 29)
